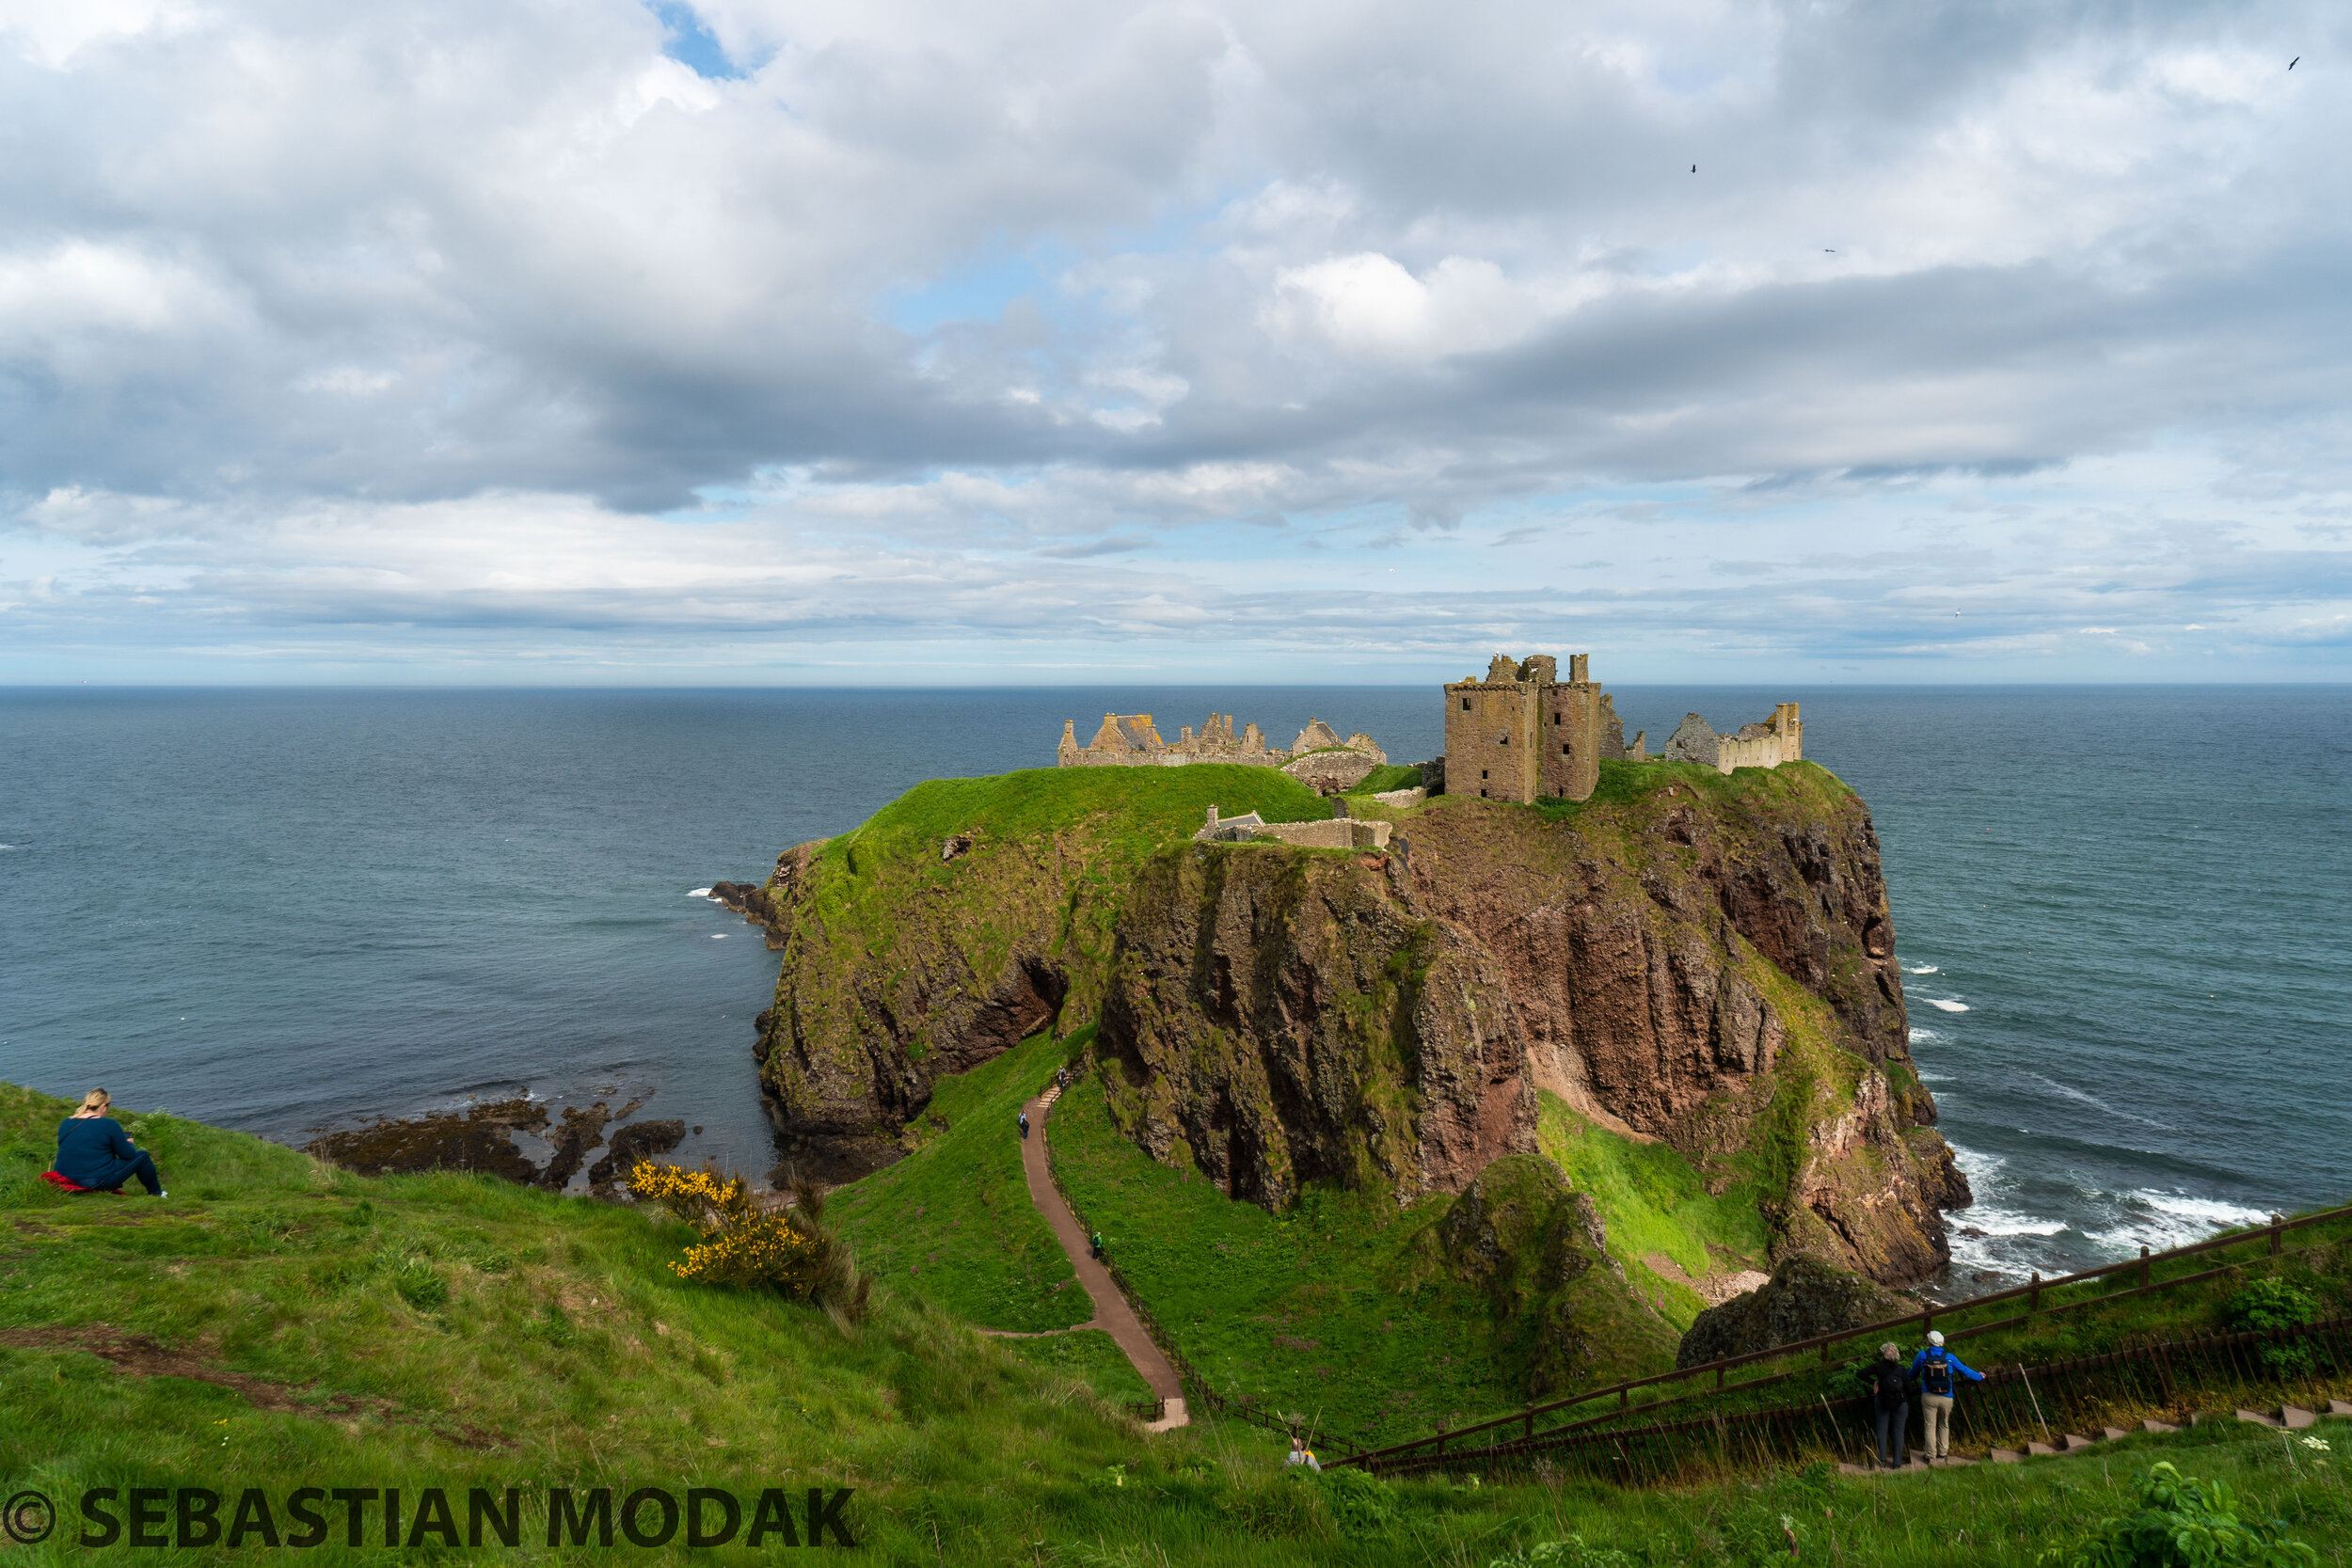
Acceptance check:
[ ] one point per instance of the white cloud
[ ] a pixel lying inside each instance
(492, 315)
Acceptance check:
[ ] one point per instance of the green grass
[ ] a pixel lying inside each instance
(1652, 1200)
(952, 1222)
(1086, 1355)
(1394, 775)
(1297, 1311)
(546, 1362)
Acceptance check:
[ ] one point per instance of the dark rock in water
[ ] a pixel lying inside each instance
(1806, 1298)
(639, 1140)
(478, 1138)
(582, 1131)
(1539, 1253)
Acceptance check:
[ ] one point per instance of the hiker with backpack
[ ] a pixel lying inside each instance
(1024, 1127)
(1889, 1382)
(1937, 1371)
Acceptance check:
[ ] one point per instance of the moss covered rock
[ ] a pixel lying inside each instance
(1805, 1299)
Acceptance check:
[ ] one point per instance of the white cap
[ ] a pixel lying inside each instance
(1935, 1336)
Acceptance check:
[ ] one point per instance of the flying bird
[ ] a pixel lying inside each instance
(2290, 67)
(1695, 169)
(1827, 251)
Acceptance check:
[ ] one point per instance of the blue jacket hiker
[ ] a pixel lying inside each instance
(1937, 1371)
(93, 1150)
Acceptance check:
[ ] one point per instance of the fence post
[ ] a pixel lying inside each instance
(1719, 1378)
(2033, 1294)
(2143, 1268)
(2278, 1228)
(1625, 1401)
(1826, 1353)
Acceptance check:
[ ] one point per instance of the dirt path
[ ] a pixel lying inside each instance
(1112, 1314)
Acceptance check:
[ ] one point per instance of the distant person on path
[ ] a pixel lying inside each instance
(94, 1152)
(1889, 1382)
(1936, 1370)
(1301, 1454)
(1024, 1124)
(1096, 1242)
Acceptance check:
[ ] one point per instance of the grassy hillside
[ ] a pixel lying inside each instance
(287, 1323)
(952, 1222)
(1653, 1202)
(1300, 1311)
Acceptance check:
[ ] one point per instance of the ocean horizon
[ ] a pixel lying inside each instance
(289, 909)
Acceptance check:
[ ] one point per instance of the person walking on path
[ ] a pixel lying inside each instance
(94, 1152)
(1937, 1372)
(1095, 1241)
(1024, 1126)
(1301, 1454)
(1889, 1382)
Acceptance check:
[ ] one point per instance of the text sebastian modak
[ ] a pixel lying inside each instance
(380, 1515)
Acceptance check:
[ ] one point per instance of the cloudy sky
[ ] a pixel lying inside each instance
(1047, 341)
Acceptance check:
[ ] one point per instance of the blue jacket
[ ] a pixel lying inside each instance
(93, 1152)
(1960, 1369)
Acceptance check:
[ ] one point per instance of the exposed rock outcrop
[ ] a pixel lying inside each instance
(1538, 1252)
(1806, 1298)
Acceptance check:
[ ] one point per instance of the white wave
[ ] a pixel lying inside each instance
(698, 893)
(1935, 1078)
(1946, 1006)
(1919, 1036)
(2098, 1105)
(2177, 1219)
(718, 936)
(1918, 969)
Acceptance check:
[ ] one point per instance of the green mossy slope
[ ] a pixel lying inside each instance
(953, 1222)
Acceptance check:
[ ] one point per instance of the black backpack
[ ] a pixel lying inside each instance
(1935, 1377)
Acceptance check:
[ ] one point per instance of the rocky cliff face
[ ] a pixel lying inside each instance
(1688, 958)
(1710, 965)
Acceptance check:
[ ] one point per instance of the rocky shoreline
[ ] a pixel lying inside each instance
(481, 1137)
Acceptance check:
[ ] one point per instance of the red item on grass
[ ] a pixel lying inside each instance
(56, 1181)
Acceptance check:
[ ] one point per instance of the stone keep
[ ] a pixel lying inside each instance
(1522, 733)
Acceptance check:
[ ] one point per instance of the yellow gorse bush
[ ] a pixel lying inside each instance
(742, 1244)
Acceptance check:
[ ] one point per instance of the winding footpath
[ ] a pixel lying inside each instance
(1112, 1314)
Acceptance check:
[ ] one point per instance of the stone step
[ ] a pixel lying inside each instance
(2258, 1417)
(2338, 1407)
(2152, 1424)
(2296, 1417)
(2007, 1456)
(2111, 1434)
(2040, 1449)
(2072, 1441)
(1952, 1462)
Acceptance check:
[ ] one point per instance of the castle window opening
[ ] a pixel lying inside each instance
(1481, 773)
(1502, 740)
(1466, 705)
(1563, 747)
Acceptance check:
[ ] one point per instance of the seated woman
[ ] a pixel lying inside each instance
(94, 1152)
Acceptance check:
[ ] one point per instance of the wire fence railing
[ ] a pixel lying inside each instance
(2044, 1299)
(2016, 1405)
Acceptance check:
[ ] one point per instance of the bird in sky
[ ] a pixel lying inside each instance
(2291, 63)
(1827, 251)
(1695, 169)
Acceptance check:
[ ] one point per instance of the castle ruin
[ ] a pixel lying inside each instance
(1318, 758)
(1522, 733)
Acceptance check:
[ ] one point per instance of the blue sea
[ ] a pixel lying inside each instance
(2122, 910)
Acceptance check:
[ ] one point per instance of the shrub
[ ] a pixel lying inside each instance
(2183, 1523)
(2273, 1304)
(787, 1250)
(1570, 1553)
(1361, 1504)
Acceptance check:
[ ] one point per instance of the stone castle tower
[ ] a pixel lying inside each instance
(1522, 733)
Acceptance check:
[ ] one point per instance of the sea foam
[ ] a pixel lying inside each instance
(698, 893)
(1919, 968)
(1948, 1005)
